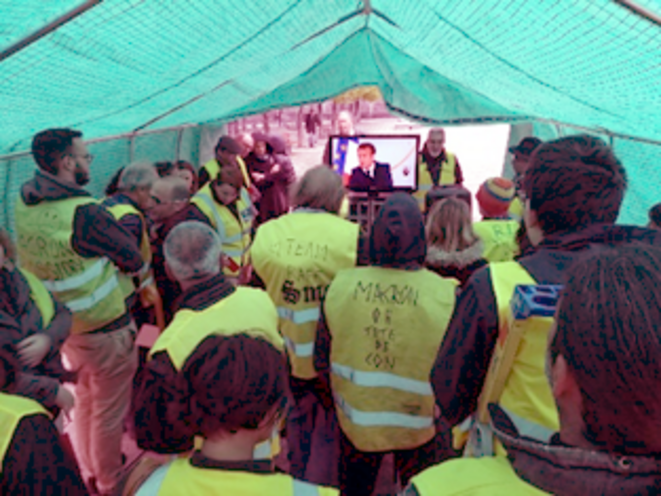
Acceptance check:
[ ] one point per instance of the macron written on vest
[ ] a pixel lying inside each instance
(386, 327)
(297, 256)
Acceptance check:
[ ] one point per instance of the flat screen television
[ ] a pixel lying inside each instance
(376, 162)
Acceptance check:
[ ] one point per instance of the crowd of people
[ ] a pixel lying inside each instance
(296, 352)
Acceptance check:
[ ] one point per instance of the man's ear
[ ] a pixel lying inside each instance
(562, 380)
(533, 229)
(67, 163)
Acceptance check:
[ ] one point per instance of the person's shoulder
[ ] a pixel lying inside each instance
(484, 476)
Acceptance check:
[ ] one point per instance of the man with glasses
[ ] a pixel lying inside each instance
(79, 251)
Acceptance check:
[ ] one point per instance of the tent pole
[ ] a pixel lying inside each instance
(47, 29)
(640, 11)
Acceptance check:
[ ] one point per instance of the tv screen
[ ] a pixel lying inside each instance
(376, 162)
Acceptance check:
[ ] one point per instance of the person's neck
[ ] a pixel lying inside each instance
(231, 449)
(189, 283)
(66, 178)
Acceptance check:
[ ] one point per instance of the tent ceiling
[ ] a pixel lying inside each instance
(145, 64)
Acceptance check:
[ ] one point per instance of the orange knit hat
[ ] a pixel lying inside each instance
(494, 196)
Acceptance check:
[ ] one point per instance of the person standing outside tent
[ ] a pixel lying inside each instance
(496, 230)
(603, 366)
(129, 206)
(312, 123)
(574, 188)
(296, 256)
(224, 204)
(75, 246)
(436, 166)
(378, 334)
(520, 159)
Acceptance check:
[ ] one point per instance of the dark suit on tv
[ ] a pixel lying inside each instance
(361, 181)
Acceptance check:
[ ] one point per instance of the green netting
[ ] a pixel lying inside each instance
(134, 65)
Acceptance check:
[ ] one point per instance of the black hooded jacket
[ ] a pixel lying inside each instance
(397, 241)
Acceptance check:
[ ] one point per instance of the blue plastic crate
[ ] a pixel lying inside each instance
(535, 300)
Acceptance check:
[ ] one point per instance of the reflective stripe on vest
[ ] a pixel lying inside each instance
(378, 419)
(152, 485)
(95, 297)
(382, 379)
(299, 316)
(302, 488)
(301, 350)
(78, 280)
(220, 227)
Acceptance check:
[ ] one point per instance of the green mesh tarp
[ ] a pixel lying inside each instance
(142, 65)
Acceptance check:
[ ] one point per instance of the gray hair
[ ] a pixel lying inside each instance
(137, 175)
(192, 251)
(436, 130)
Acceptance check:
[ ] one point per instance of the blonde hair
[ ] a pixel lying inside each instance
(319, 188)
(449, 225)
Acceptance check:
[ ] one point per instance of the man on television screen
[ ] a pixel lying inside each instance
(370, 175)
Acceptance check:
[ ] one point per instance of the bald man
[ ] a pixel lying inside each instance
(171, 207)
(436, 166)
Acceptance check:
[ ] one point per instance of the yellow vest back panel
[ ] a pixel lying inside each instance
(499, 238)
(527, 393)
(425, 182)
(181, 478)
(386, 327)
(297, 256)
(487, 476)
(90, 287)
(247, 310)
(12, 409)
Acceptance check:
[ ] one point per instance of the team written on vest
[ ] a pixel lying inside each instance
(194, 339)
(70, 242)
(382, 327)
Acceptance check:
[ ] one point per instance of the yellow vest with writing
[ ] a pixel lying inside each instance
(297, 256)
(41, 297)
(234, 232)
(118, 211)
(425, 182)
(180, 477)
(527, 396)
(213, 168)
(89, 287)
(12, 410)
(246, 310)
(487, 476)
(499, 238)
(386, 326)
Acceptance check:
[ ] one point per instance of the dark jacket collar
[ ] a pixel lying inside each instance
(46, 187)
(255, 466)
(206, 293)
(600, 234)
(120, 199)
(565, 470)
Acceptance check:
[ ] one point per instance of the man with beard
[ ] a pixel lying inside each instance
(76, 247)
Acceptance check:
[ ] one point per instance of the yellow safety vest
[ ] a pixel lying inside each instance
(12, 410)
(180, 477)
(246, 310)
(234, 232)
(516, 209)
(486, 476)
(213, 168)
(499, 238)
(41, 297)
(89, 287)
(297, 256)
(146, 278)
(425, 182)
(526, 395)
(386, 326)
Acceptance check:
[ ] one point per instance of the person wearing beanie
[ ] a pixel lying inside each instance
(497, 230)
